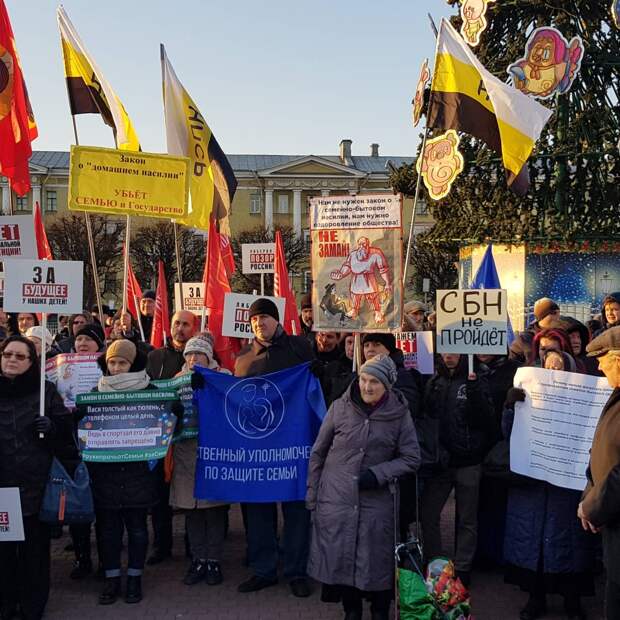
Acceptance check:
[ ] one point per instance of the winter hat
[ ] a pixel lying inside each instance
(122, 348)
(264, 306)
(149, 294)
(414, 306)
(608, 341)
(383, 368)
(544, 307)
(387, 340)
(551, 321)
(200, 344)
(37, 332)
(94, 332)
(306, 302)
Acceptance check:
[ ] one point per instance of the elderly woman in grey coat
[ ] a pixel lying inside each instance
(366, 440)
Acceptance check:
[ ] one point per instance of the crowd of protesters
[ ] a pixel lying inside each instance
(439, 434)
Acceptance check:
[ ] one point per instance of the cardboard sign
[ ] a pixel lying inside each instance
(193, 297)
(258, 257)
(127, 183)
(472, 321)
(73, 374)
(357, 261)
(17, 237)
(11, 522)
(417, 348)
(236, 313)
(43, 286)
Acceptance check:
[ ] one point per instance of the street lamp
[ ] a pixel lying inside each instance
(606, 282)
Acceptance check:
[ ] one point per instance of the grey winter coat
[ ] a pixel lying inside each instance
(352, 539)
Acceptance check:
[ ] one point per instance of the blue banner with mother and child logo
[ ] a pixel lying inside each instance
(256, 434)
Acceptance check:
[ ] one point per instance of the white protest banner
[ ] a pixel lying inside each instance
(257, 257)
(43, 286)
(472, 321)
(357, 262)
(553, 428)
(17, 237)
(73, 374)
(236, 313)
(417, 348)
(11, 522)
(193, 297)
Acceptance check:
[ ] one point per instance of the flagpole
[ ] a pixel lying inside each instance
(177, 251)
(135, 301)
(11, 198)
(126, 264)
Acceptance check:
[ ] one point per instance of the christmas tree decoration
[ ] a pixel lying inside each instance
(418, 100)
(615, 12)
(550, 64)
(473, 14)
(441, 163)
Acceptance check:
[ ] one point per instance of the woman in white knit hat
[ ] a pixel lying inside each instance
(205, 522)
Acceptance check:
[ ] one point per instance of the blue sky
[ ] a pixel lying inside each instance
(270, 77)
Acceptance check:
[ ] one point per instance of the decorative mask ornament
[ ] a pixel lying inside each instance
(473, 14)
(440, 164)
(550, 64)
(418, 100)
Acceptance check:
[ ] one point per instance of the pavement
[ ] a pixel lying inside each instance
(166, 597)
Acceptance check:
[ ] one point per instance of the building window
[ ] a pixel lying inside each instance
(255, 203)
(51, 200)
(21, 203)
(307, 240)
(307, 283)
(283, 203)
(421, 208)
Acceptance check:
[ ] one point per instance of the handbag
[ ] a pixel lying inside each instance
(66, 499)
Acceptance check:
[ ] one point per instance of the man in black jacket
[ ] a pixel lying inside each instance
(272, 350)
(463, 405)
(165, 363)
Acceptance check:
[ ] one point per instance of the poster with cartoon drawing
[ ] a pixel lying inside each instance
(418, 100)
(473, 14)
(357, 262)
(550, 64)
(440, 164)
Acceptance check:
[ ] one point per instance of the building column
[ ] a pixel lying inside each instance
(36, 193)
(269, 210)
(297, 212)
(6, 200)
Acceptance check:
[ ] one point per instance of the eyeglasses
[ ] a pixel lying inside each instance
(20, 357)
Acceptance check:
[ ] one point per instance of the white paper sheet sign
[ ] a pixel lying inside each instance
(257, 257)
(43, 286)
(193, 297)
(236, 321)
(553, 428)
(11, 522)
(17, 237)
(417, 348)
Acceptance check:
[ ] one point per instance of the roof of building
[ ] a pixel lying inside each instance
(247, 163)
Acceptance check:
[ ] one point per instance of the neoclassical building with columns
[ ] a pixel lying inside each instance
(272, 189)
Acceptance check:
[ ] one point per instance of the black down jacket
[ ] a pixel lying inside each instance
(25, 458)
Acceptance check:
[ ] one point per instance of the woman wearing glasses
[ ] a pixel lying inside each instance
(28, 442)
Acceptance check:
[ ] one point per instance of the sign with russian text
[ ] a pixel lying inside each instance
(417, 348)
(258, 257)
(17, 237)
(236, 321)
(43, 286)
(126, 426)
(357, 259)
(472, 321)
(182, 386)
(73, 374)
(128, 183)
(193, 297)
(553, 428)
(256, 435)
(11, 522)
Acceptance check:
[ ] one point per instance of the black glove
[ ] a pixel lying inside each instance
(198, 381)
(317, 368)
(514, 395)
(367, 481)
(42, 425)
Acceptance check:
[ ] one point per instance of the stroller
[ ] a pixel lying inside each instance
(439, 596)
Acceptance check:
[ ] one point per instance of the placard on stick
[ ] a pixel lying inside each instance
(193, 296)
(257, 257)
(43, 286)
(236, 313)
(17, 237)
(472, 321)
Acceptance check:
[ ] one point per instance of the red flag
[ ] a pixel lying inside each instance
(282, 288)
(161, 318)
(227, 254)
(134, 292)
(216, 286)
(44, 251)
(17, 125)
